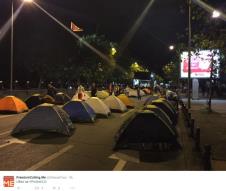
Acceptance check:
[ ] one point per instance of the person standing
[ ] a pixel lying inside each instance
(93, 90)
(138, 93)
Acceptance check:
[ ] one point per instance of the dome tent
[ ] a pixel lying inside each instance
(61, 98)
(145, 128)
(133, 93)
(115, 104)
(45, 117)
(169, 104)
(79, 111)
(158, 111)
(99, 107)
(126, 101)
(102, 94)
(167, 109)
(12, 104)
(85, 96)
(33, 101)
(48, 99)
(147, 91)
(150, 99)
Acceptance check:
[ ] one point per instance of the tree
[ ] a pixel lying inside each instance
(206, 35)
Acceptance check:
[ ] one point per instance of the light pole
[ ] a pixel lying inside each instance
(11, 52)
(12, 48)
(189, 54)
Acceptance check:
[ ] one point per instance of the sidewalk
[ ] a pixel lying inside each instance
(213, 128)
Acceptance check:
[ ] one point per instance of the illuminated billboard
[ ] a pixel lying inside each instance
(200, 63)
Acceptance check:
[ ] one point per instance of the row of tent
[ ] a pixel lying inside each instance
(103, 94)
(154, 124)
(59, 118)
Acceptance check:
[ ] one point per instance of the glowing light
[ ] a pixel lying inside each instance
(216, 14)
(113, 51)
(28, 1)
(171, 47)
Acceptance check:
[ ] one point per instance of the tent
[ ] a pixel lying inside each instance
(85, 96)
(160, 113)
(145, 128)
(102, 94)
(115, 104)
(48, 99)
(99, 107)
(79, 111)
(61, 98)
(12, 104)
(169, 104)
(34, 100)
(147, 91)
(133, 93)
(167, 109)
(45, 117)
(150, 99)
(126, 101)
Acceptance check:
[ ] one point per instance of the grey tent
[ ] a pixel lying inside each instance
(33, 101)
(45, 117)
(61, 98)
(145, 128)
(167, 109)
(158, 111)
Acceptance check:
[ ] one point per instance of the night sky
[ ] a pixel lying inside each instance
(35, 33)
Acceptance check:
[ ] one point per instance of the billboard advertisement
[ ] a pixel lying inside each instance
(200, 63)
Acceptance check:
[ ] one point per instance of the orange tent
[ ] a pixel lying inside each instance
(126, 101)
(12, 104)
(147, 91)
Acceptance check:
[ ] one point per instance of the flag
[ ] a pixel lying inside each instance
(75, 28)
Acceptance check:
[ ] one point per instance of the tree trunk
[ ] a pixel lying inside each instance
(211, 87)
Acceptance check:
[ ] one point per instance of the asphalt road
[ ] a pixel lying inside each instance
(89, 148)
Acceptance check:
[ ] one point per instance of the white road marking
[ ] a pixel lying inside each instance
(18, 141)
(120, 164)
(12, 141)
(5, 116)
(50, 158)
(6, 132)
(124, 114)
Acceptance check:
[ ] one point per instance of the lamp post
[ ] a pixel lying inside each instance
(11, 51)
(189, 54)
(12, 45)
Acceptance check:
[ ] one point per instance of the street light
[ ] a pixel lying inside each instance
(11, 51)
(189, 53)
(216, 14)
(113, 51)
(171, 47)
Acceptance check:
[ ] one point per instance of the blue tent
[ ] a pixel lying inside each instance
(79, 111)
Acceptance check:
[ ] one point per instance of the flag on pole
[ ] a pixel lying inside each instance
(75, 28)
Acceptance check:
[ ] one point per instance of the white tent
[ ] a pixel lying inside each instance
(100, 108)
(133, 93)
(115, 104)
(85, 96)
(102, 94)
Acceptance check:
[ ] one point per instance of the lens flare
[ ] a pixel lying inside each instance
(7, 25)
